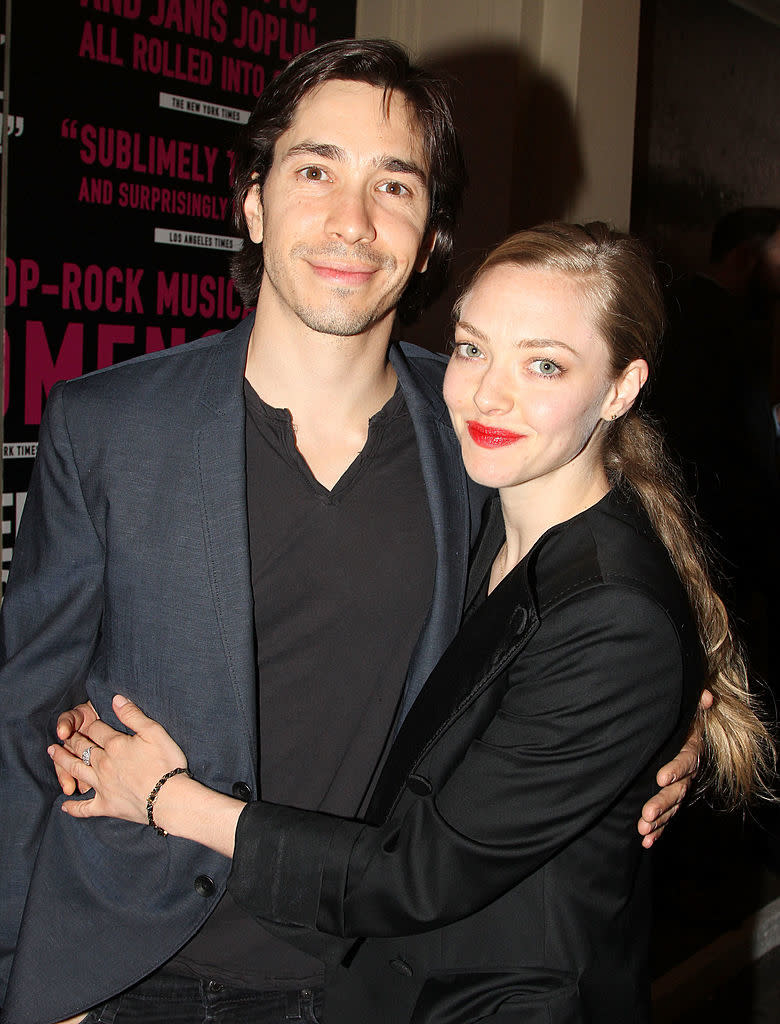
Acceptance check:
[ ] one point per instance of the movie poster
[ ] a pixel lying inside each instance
(119, 124)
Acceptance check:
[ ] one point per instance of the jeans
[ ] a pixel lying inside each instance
(168, 999)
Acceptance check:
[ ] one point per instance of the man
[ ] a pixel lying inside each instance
(253, 537)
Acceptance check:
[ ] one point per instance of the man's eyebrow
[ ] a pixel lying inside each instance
(329, 151)
(326, 150)
(396, 165)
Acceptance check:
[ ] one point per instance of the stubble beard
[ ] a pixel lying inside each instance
(338, 317)
(341, 321)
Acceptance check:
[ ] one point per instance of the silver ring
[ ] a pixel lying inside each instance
(85, 756)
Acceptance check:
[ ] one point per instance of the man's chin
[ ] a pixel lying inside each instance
(343, 323)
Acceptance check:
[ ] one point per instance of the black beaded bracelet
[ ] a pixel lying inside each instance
(153, 796)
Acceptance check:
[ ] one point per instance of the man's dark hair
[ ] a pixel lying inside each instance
(387, 66)
(754, 224)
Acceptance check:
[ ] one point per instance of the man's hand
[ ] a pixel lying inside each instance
(674, 779)
(68, 724)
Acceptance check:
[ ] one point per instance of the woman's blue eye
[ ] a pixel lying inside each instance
(546, 367)
(465, 348)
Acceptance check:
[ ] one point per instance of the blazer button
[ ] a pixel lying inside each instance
(402, 967)
(419, 785)
(519, 617)
(242, 792)
(204, 886)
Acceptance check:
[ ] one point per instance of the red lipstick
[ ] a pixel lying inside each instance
(490, 437)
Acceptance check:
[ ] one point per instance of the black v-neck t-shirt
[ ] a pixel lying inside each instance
(342, 581)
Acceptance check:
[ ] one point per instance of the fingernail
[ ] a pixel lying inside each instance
(120, 701)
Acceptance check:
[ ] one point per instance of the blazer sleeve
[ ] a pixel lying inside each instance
(50, 620)
(595, 694)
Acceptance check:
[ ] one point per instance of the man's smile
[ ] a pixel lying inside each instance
(349, 274)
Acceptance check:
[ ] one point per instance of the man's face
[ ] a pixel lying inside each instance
(343, 211)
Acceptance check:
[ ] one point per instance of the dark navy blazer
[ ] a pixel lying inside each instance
(131, 574)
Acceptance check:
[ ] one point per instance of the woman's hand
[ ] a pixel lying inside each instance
(121, 769)
(68, 723)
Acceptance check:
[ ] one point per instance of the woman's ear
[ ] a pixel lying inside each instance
(625, 390)
(253, 213)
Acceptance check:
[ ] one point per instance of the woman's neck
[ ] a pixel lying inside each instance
(531, 508)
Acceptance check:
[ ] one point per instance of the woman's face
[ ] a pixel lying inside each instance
(529, 385)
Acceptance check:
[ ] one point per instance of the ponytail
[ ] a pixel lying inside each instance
(738, 752)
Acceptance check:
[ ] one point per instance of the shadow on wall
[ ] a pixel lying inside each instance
(522, 154)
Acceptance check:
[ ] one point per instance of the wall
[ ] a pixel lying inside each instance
(708, 132)
(544, 101)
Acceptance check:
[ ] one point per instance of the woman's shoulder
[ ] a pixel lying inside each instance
(606, 588)
(612, 544)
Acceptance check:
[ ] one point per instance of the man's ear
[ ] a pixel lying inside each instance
(253, 213)
(424, 255)
(625, 390)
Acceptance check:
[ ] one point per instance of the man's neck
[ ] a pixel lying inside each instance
(331, 385)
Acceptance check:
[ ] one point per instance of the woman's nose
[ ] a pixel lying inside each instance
(494, 393)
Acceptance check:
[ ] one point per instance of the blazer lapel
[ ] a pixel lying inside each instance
(448, 501)
(488, 642)
(220, 465)
(490, 539)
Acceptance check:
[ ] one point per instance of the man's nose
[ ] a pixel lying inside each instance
(349, 217)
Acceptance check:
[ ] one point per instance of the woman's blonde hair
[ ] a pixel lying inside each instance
(626, 306)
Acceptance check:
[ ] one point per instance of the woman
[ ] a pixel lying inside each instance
(501, 878)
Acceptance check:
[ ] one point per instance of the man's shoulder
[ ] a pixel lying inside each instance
(419, 352)
(420, 369)
(167, 372)
(431, 362)
(177, 359)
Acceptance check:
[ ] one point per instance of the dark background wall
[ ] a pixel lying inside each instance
(708, 130)
(522, 155)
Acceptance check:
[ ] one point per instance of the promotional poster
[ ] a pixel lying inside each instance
(119, 117)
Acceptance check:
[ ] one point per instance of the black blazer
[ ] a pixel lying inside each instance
(504, 877)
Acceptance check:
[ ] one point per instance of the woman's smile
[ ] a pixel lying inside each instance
(491, 437)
